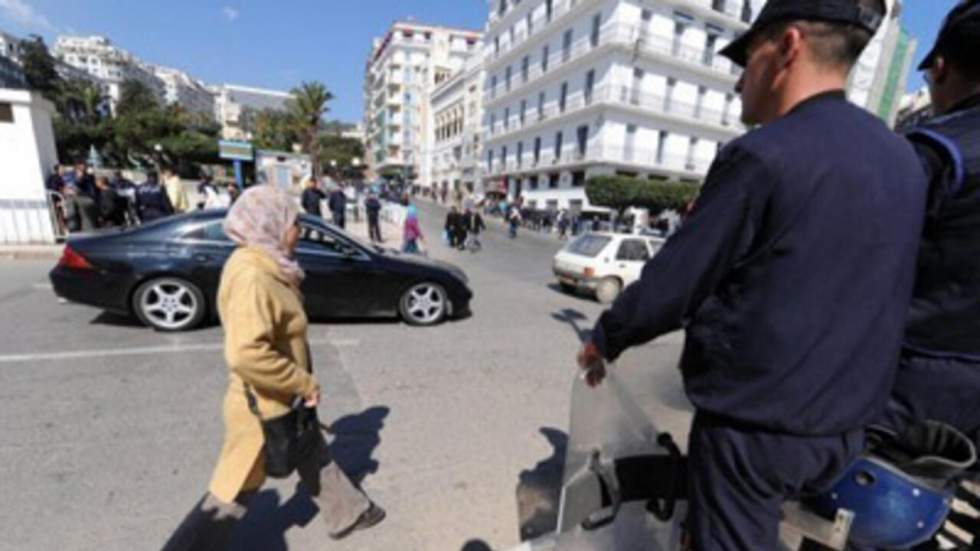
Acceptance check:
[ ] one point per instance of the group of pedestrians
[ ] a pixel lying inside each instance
(337, 200)
(84, 201)
(463, 228)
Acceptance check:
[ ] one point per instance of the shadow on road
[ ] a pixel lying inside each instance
(476, 545)
(355, 437)
(539, 489)
(577, 295)
(575, 319)
(116, 320)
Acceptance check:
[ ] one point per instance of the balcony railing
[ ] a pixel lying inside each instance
(640, 40)
(572, 156)
(623, 96)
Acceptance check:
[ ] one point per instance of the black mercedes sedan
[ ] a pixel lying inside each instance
(166, 273)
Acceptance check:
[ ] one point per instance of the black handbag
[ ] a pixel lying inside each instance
(290, 439)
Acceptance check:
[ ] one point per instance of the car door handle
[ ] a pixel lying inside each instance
(201, 257)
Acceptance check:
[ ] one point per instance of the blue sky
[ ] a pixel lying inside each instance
(277, 44)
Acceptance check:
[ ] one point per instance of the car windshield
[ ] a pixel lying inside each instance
(363, 243)
(589, 245)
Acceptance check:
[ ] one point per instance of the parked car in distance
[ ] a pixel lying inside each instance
(603, 263)
(166, 274)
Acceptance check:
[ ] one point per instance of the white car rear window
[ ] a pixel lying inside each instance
(589, 245)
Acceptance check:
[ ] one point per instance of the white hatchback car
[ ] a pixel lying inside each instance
(604, 263)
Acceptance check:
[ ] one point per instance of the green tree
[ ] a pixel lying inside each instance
(333, 147)
(40, 68)
(307, 108)
(135, 97)
(622, 192)
(271, 129)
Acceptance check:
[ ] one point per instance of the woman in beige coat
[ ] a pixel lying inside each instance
(266, 350)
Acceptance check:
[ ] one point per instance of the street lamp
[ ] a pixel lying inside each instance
(158, 149)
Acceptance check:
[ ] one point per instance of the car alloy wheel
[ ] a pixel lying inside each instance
(169, 304)
(607, 290)
(424, 304)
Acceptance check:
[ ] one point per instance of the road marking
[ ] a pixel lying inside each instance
(147, 350)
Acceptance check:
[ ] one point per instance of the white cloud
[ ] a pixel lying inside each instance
(22, 13)
(229, 12)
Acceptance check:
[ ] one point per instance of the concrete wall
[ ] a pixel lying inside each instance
(27, 153)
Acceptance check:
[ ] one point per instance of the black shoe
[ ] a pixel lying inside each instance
(368, 518)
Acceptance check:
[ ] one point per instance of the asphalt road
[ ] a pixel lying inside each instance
(111, 430)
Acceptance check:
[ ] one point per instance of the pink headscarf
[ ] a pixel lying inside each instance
(260, 218)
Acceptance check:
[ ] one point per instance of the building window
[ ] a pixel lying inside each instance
(493, 86)
(523, 110)
(711, 42)
(6, 112)
(537, 149)
(507, 78)
(532, 182)
(489, 160)
(671, 86)
(493, 123)
(747, 11)
(520, 154)
(681, 22)
(525, 66)
(692, 145)
(558, 144)
(503, 7)
(544, 58)
(541, 98)
(729, 98)
(530, 23)
(578, 178)
(566, 46)
(628, 150)
(549, 9)
(553, 180)
(506, 118)
(563, 97)
(582, 133)
(503, 157)
(702, 92)
(718, 5)
(661, 143)
(589, 86)
(594, 36)
(496, 45)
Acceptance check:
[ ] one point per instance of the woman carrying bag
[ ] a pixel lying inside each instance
(270, 406)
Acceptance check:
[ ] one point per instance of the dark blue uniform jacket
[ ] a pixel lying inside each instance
(792, 276)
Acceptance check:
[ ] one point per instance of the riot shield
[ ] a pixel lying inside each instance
(624, 479)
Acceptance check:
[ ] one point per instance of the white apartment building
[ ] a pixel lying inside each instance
(577, 88)
(400, 73)
(879, 78)
(97, 56)
(9, 46)
(232, 103)
(455, 145)
(183, 90)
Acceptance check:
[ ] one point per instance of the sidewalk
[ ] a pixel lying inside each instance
(31, 252)
(391, 233)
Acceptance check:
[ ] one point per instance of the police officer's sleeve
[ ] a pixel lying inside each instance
(690, 265)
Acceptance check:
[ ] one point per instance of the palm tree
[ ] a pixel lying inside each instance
(307, 108)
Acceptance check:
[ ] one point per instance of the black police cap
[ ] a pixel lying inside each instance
(834, 11)
(961, 27)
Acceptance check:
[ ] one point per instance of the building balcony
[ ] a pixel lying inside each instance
(630, 37)
(623, 97)
(624, 157)
(730, 13)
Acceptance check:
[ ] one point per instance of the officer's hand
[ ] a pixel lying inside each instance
(590, 360)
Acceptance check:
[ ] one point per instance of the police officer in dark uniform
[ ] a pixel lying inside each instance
(152, 202)
(939, 374)
(792, 277)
